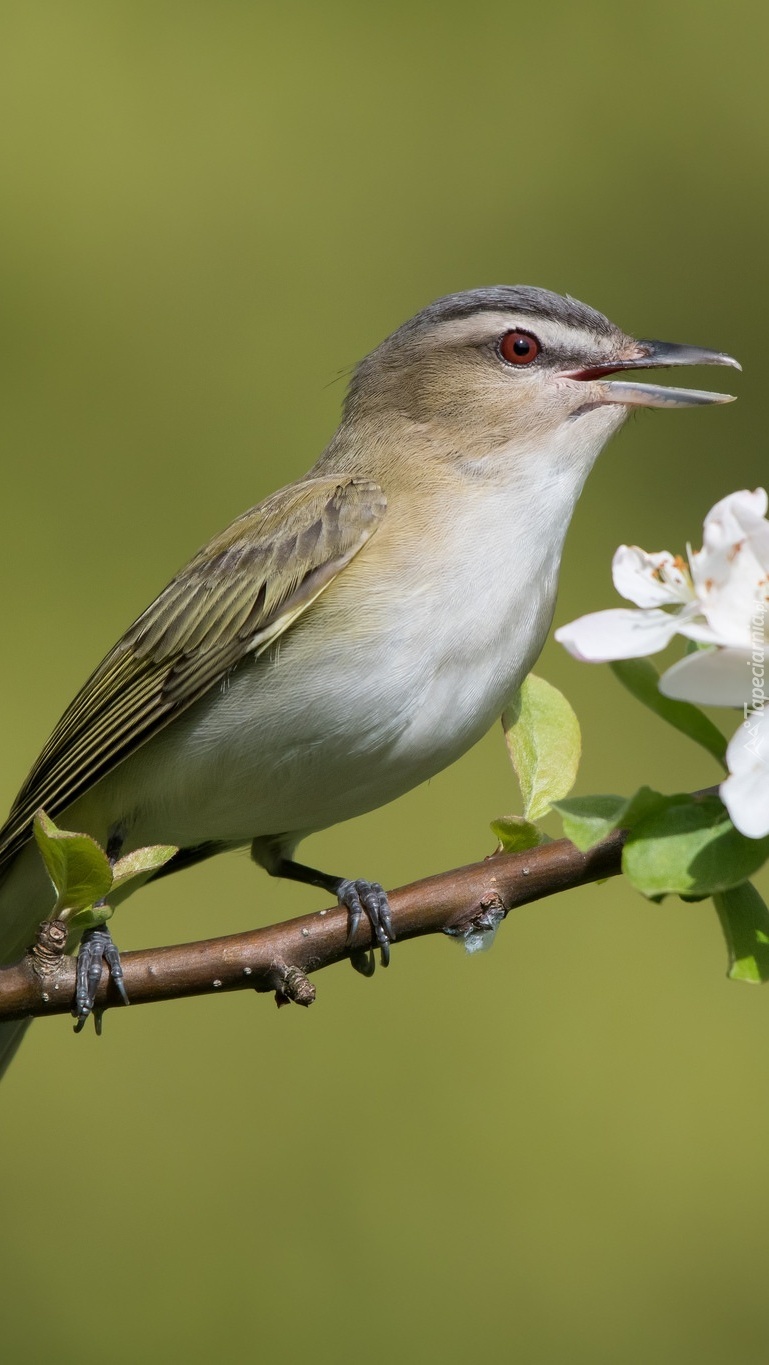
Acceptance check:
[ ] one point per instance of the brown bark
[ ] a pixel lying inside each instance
(280, 958)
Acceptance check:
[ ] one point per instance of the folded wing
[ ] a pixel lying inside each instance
(236, 597)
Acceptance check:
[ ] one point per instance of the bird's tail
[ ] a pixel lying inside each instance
(25, 901)
(10, 1038)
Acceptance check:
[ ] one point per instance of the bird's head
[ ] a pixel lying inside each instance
(518, 369)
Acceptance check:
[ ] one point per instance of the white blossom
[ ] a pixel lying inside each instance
(719, 598)
(745, 793)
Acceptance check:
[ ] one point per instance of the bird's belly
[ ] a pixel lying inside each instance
(315, 733)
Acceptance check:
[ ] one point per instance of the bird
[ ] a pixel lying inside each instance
(359, 629)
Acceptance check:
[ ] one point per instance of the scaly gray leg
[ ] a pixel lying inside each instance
(357, 896)
(97, 946)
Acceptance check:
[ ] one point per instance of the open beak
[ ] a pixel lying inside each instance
(655, 355)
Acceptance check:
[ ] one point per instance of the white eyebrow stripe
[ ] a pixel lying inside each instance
(552, 334)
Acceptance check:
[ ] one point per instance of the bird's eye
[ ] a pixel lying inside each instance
(519, 348)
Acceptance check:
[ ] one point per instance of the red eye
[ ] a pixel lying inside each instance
(519, 348)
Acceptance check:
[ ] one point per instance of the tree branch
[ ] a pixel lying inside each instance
(280, 957)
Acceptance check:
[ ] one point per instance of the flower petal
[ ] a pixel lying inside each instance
(698, 629)
(731, 595)
(730, 571)
(752, 517)
(617, 634)
(745, 793)
(745, 502)
(711, 677)
(650, 580)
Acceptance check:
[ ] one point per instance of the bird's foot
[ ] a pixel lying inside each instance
(96, 947)
(370, 899)
(358, 898)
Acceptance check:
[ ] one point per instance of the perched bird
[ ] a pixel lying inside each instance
(359, 629)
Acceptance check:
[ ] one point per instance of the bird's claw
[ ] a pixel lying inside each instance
(370, 899)
(362, 960)
(96, 946)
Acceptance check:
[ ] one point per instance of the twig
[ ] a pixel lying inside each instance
(279, 958)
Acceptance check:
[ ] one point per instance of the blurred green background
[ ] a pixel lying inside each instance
(551, 1153)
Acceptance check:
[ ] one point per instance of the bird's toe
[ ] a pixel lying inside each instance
(96, 946)
(370, 899)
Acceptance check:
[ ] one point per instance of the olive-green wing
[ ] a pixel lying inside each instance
(234, 598)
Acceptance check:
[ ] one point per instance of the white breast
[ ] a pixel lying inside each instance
(388, 683)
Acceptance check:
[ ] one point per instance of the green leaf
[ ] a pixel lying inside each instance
(688, 846)
(77, 866)
(745, 921)
(641, 678)
(588, 819)
(544, 742)
(91, 917)
(642, 803)
(142, 861)
(515, 833)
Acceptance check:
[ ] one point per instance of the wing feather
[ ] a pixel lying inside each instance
(235, 597)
